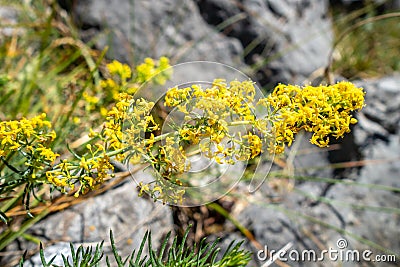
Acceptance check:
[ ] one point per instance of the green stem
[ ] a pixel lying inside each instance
(218, 208)
(123, 150)
(156, 139)
(9, 156)
(31, 238)
(237, 123)
(161, 137)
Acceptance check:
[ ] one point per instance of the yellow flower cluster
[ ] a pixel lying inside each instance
(90, 171)
(112, 131)
(220, 119)
(124, 130)
(170, 160)
(218, 102)
(31, 139)
(164, 190)
(323, 110)
(121, 79)
(118, 82)
(254, 144)
(60, 179)
(150, 70)
(122, 71)
(26, 144)
(127, 122)
(91, 101)
(14, 134)
(209, 113)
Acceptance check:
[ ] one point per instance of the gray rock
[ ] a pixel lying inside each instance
(58, 249)
(286, 40)
(372, 211)
(137, 29)
(383, 103)
(9, 18)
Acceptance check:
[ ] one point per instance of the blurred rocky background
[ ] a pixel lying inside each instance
(350, 190)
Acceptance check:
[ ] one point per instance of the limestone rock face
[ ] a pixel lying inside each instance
(285, 41)
(137, 29)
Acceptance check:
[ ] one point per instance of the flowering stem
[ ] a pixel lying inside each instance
(161, 137)
(9, 156)
(125, 149)
(237, 123)
(10, 166)
(197, 151)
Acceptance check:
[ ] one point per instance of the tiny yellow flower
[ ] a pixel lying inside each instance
(76, 120)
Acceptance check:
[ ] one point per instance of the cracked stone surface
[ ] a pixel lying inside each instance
(288, 40)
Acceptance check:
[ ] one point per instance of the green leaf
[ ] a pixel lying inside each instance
(21, 261)
(178, 254)
(3, 217)
(43, 259)
(117, 257)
